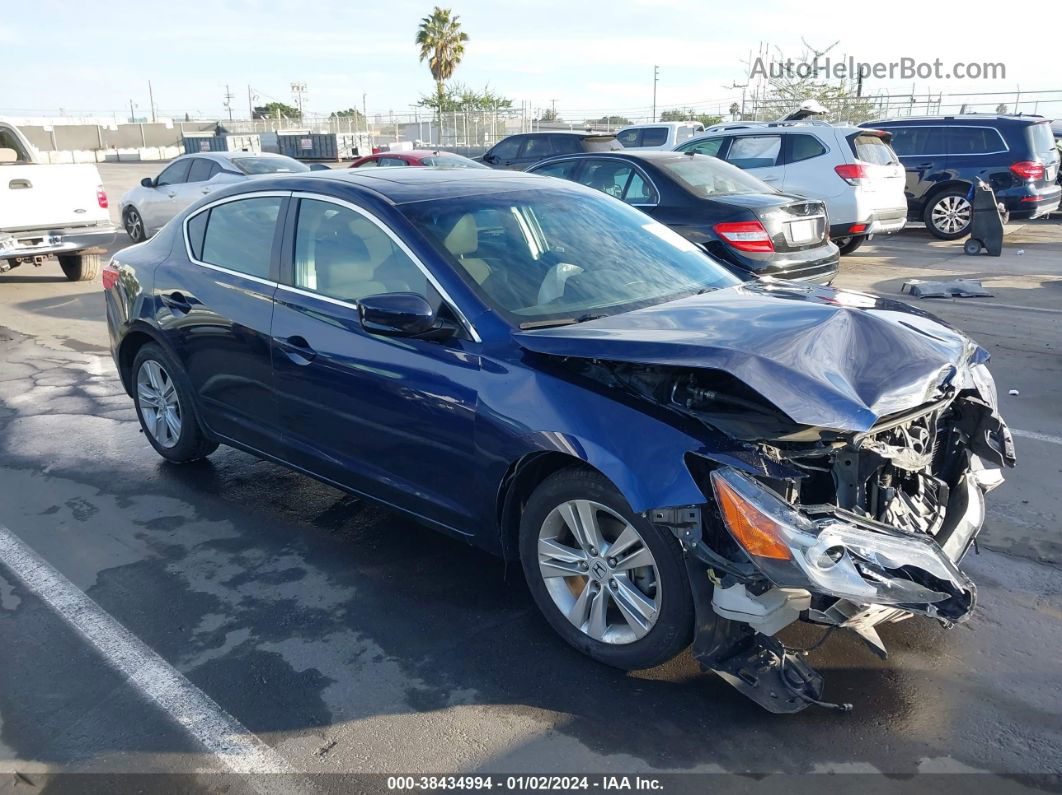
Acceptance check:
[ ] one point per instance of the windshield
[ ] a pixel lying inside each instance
(552, 256)
(453, 161)
(269, 165)
(704, 175)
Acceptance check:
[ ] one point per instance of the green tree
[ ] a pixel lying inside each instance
(609, 121)
(349, 113)
(550, 115)
(458, 96)
(442, 45)
(690, 115)
(275, 110)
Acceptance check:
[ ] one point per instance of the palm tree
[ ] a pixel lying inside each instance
(442, 45)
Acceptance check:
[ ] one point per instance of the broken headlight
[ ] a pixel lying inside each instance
(836, 557)
(985, 385)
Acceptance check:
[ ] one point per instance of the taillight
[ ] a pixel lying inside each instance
(852, 173)
(745, 235)
(110, 275)
(1028, 169)
(856, 229)
(101, 196)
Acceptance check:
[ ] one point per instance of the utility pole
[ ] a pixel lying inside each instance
(298, 90)
(151, 98)
(228, 100)
(656, 79)
(132, 115)
(554, 102)
(250, 103)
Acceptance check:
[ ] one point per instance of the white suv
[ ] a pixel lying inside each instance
(665, 135)
(853, 170)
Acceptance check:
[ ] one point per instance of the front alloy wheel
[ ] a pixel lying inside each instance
(599, 572)
(611, 583)
(134, 225)
(159, 404)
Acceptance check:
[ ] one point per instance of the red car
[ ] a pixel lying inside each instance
(416, 157)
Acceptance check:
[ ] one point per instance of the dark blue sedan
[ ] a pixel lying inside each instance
(672, 453)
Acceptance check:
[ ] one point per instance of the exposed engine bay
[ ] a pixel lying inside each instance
(838, 527)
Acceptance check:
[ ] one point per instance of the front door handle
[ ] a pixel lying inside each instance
(177, 302)
(297, 349)
(171, 195)
(19, 184)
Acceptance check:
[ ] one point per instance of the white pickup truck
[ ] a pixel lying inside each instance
(50, 210)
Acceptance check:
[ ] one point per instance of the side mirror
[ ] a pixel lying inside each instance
(319, 167)
(147, 182)
(489, 158)
(8, 155)
(396, 314)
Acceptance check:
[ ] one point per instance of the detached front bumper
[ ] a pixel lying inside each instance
(53, 242)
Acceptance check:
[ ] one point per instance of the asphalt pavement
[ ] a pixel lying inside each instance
(239, 614)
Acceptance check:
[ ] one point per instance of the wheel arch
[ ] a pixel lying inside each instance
(139, 335)
(936, 190)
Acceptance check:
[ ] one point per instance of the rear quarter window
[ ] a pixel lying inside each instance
(872, 149)
(654, 136)
(1043, 141)
(804, 147)
(973, 141)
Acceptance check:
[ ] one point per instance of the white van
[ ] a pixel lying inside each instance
(664, 135)
(853, 170)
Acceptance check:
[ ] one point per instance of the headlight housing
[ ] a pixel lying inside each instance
(985, 385)
(865, 564)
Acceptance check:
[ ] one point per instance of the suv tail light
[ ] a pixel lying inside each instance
(852, 173)
(745, 235)
(1028, 169)
(110, 275)
(101, 196)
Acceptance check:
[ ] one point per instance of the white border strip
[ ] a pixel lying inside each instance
(1040, 437)
(199, 715)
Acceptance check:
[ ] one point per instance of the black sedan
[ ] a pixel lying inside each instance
(736, 217)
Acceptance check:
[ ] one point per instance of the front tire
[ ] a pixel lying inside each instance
(134, 225)
(949, 214)
(608, 581)
(163, 400)
(81, 267)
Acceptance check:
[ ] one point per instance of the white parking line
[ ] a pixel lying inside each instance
(217, 731)
(1042, 437)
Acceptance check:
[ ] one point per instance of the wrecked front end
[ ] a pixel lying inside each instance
(838, 528)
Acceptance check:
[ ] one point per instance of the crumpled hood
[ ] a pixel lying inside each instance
(827, 358)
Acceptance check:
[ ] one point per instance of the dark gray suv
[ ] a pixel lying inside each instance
(517, 152)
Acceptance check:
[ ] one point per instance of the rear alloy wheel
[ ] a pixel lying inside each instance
(163, 403)
(613, 585)
(948, 216)
(849, 244)
(134, 225)
(80, 267)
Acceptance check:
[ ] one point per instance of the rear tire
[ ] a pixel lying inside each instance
(163, 399)
(81, 267)
(949, 214)
(659, 576)
(849, 244)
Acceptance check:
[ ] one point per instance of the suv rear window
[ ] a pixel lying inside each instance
(872, 149)
(601, 143)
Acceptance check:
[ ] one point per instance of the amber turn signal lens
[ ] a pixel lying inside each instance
(757, 533)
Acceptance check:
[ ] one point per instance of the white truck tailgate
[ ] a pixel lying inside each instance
(42, 196)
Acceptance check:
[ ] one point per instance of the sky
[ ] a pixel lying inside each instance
(93, 58)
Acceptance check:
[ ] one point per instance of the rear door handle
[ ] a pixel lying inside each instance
(19, 184)
(769, 179)
(177, 302)
(171, 195)
(297, 349)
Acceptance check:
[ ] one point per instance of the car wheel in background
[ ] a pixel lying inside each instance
(849, 244)
(163, 400)
(80, 267)
(609, 582)
(134, 225)
(949, 214)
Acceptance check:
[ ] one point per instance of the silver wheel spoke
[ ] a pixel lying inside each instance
(636, 560)
(581, 519)
(160, 426)
(580, 611)
(557, 568)
(598, 624)
(173, 425)
(551, 548)
(626, 541)
(636, 607)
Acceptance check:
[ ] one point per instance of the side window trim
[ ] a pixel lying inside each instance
(289, 242)
(273, 281)
(648, 181)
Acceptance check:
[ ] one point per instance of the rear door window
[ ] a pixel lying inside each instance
(804, 147)
(564, 169)
(973, 141)
(200, 170)
(564, 144)
(639, 191)
(872, 149)
(915, 141)
(630, 137)
(239, 235)
(755, 151)
(537, 147)
(607, 176)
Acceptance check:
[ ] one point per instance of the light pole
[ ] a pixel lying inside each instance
(656, 79)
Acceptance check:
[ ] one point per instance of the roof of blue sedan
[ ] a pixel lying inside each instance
(404, 185)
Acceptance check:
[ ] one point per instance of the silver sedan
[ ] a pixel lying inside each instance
(147, 207)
